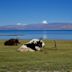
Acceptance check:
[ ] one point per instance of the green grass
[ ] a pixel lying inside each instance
(48, 59)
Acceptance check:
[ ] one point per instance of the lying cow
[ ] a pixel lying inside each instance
(12, 42)
(33, 45)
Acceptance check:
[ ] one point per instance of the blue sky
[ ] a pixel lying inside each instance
(14, 12)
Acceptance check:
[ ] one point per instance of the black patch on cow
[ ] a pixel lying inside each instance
(32, 45)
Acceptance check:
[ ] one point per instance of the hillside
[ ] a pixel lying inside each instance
(51, 26)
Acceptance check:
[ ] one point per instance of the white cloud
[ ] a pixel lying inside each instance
(45, 22)
(18, 23)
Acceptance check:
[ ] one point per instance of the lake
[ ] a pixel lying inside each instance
(30, 34)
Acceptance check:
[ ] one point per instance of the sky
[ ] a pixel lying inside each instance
(18, 12)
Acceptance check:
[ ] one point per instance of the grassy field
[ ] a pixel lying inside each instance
(49, 59)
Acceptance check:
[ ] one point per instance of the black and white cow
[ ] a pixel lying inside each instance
(33, 45)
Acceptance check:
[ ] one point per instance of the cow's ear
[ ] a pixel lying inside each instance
(32, 42)
(40, 40)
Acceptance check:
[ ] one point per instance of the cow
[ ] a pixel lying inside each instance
(11, 42)
(33, 45)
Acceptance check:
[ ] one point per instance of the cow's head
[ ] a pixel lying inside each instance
(17, 41)
(40, 43)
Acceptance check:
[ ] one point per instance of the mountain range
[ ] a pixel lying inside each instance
(40, 26)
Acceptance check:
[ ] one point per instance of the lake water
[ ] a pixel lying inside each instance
(30, 34)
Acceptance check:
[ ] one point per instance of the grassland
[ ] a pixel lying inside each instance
(49, 59)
